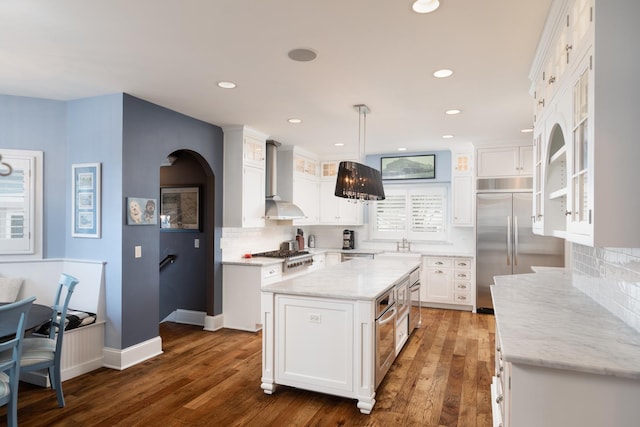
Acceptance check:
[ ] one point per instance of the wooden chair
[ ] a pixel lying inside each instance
(13, 318)
(40, 353)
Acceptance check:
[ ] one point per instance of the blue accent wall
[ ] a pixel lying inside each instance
(94, 135)
(150, 134)
(39, 124)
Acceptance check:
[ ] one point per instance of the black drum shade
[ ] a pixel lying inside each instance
(359, 182)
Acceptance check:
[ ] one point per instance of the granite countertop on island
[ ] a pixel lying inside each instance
(545, 321)
(358, 279)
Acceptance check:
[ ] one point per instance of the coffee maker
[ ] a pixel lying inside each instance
(348, 239)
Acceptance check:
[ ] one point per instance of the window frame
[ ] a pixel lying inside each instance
(407, 190)
(33, 204)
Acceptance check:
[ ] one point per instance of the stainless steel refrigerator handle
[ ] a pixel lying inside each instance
(515, 240)
(508, 240)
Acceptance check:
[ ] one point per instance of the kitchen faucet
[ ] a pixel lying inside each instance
(405, 246)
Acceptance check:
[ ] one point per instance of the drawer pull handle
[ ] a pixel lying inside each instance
(499, 399)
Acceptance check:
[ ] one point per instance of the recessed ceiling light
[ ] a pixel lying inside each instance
(443, 73)
(528, 130)
(425, 6)
(402, 149)
(452, 112)
(447, 136)
(227, 85)
(294, 121)
(302, 55)
(338, 144)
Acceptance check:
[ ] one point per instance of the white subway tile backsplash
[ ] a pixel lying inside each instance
(610, 276)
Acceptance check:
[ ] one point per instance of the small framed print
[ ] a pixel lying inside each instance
(85, 200)
(141, 211)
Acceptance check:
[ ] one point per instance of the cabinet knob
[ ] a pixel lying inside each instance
(499, 399)
(552, 79)
(567, 213)
(568, 47)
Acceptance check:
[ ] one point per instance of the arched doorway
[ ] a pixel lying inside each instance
(186, 238)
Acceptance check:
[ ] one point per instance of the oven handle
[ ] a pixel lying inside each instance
(392, 314)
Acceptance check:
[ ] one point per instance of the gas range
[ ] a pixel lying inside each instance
(293, 260)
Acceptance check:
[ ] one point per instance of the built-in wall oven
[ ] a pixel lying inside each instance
(415, 318)
(385, 333)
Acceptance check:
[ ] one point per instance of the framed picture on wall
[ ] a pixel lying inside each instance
(408, 167)
(141, 211)
(85, 200)
(180, 208)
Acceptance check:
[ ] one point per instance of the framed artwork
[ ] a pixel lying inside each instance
(408, 167)
(85, 200)
(141, 211)
(180, 208)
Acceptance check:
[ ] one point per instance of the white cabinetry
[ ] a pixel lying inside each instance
(448, 282)
(335, 210)
(298, 182)
(244, 177)
(587, 185)
(333, 258)
(524, 395)
(462, 187)
(241, 286)
(505, 161)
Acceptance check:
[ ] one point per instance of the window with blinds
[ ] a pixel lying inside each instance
(18, 206)
(414, 213)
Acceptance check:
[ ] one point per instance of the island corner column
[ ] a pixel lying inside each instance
(268, 383)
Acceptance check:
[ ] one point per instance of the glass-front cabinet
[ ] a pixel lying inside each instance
(580, 210)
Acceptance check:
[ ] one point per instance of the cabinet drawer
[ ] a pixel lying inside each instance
(461, 263)
(440, 262)
(271, 272)
(402, 333)
(463, 287)
(462, 297)
(463, 275)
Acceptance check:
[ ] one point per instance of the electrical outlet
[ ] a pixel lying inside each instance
(315, 318)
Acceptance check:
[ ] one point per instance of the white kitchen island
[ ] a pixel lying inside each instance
(319, 330)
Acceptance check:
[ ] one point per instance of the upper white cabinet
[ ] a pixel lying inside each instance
(244, 177)
(298, 182)
(505, 161)
(336, 210)
(462, 188)
(589, 143)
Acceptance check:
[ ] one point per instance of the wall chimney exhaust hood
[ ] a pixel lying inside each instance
(275, 207)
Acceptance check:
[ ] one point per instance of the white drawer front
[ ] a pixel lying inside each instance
(462, 297)
(463, 275)
(271, 271)
(440, 262)
(462, 263)
(463, 286)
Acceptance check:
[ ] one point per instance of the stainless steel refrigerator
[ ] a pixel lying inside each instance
(505, 243)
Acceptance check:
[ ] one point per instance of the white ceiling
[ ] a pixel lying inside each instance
(375, 52)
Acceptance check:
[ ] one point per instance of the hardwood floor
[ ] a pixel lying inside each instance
(442, 377)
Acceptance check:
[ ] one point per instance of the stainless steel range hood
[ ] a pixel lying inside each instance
(275, 207)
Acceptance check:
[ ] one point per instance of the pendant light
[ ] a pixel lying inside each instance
(356, 181)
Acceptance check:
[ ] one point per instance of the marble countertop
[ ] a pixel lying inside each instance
(544, 321)
(358, 279)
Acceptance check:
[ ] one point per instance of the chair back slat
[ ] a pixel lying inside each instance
(66, 285)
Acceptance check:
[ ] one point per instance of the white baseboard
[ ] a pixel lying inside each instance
(125, 358)
(213, 323)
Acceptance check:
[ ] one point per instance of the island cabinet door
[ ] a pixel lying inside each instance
(314, 344)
